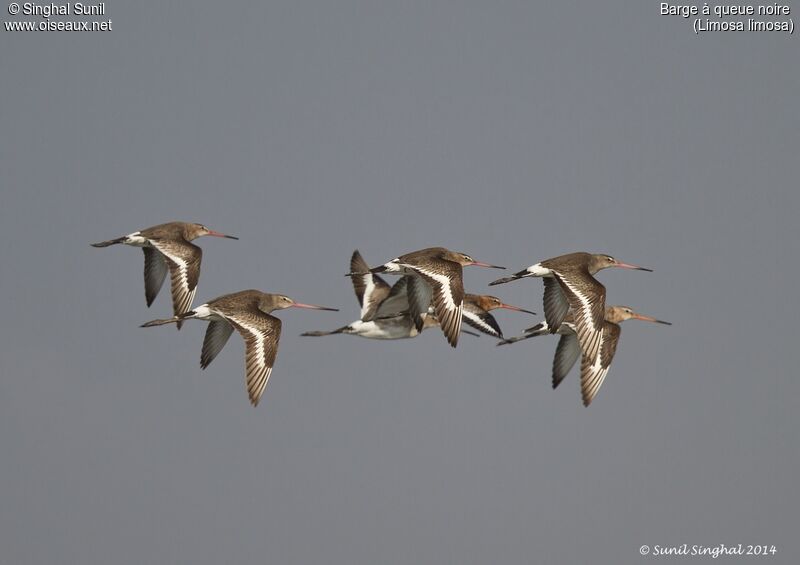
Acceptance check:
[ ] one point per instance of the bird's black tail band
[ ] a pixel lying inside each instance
(174, 320)
(515, 276)
(109, 242)
(320, 333)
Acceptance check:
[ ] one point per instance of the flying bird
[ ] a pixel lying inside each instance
(248, 312)
(593, 369)
(435, 275)
(569, 284)
(476, 313)
(384, 308)
(399, 326)
(169, 247)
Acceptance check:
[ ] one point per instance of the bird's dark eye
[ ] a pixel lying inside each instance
(610, 259)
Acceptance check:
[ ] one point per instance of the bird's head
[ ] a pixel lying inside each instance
(193, 231)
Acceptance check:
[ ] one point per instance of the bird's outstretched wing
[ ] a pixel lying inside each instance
(594, 370)
(183, 259)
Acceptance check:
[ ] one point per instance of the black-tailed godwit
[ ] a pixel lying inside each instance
(593, 369)
(569, 283)
(168, 247)
(248, 312)
(384, 309)
(476, 313)
(436, 275)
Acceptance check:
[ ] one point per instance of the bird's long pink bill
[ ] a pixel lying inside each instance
(313, 307)
(218, 234)
(516, 309)
(650, 319)
(633, 267)
(487, 265)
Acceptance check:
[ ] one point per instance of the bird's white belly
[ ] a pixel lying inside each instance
(392, 328)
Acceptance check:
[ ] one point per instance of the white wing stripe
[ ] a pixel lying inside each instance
(591, 342)
(587, 305)
(478, 321)
(444, 282)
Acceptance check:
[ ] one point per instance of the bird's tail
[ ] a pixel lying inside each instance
(174, 320)
(515, 339)
(538, 329)
(520, 275)
(341, 330)
(390, 267)
(110, 242)
(152, 323)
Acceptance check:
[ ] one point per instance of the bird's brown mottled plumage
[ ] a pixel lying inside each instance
(168, 247)
(576, 290)
(593, 369)
(437, 277)
(248, 312)
(476, 313)
(371, 290)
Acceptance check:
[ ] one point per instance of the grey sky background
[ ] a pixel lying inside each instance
(510, 131)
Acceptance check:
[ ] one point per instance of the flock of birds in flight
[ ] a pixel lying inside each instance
(430, 292)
